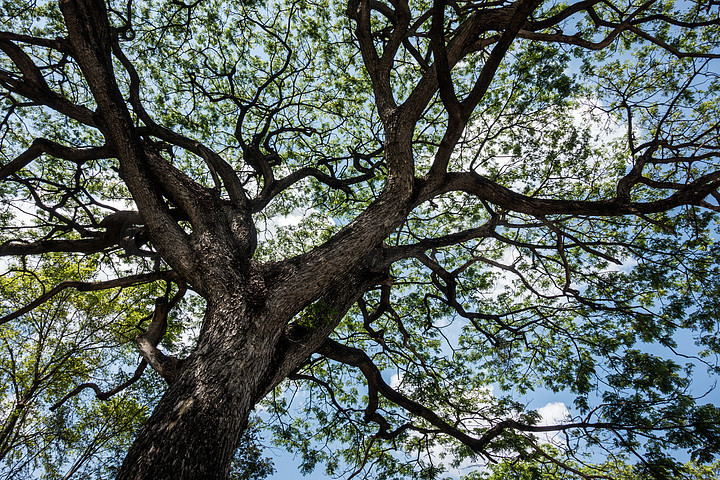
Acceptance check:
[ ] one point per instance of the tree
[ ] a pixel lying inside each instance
(49, 353)
(495, 198)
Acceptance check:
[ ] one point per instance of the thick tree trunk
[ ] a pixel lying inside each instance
(242, 353)
(195, 429)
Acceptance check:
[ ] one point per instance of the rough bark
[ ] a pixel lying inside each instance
(195, 429)
(244, 351)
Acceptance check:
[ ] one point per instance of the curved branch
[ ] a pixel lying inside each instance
(33, 86)
(564, 14)
(154, 334)
(55, 44)
(573, 39)
(357, 358)
(99, 394)
(42, 145)
(86, 245)
(214, 161)
(666, 46)
(90, 287)
(380, 78)
(442, 65)
(275, 187)
(166, 366)
(89, 34)
(693, 193)
(395, 253)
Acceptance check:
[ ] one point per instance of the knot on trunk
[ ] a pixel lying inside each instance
(255, 290)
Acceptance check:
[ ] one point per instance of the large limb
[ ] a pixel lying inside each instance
(693, 193)
(147, 342)
(42, 146)
(310, 275)
(303, 337)
(378, 65)
(459, 111)
(117, 230)
(89, 36)
(87, 245)
(147, 175)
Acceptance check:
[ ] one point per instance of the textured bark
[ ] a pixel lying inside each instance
(244, 351)
(195, 429)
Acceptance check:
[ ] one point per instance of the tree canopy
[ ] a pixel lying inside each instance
(384, 226)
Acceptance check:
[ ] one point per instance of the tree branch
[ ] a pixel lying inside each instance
(99, 394)
(33, 86)
(90, 287)
(153, 335)
(357, 358)
(42, 145)
(89, 35)
(89, 245)
(472, 183)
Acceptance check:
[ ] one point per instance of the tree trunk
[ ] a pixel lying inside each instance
(196, 427)
(244, 351)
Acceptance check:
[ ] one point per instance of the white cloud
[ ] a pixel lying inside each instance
(396, 381)
(552, 413)
(628, 263)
